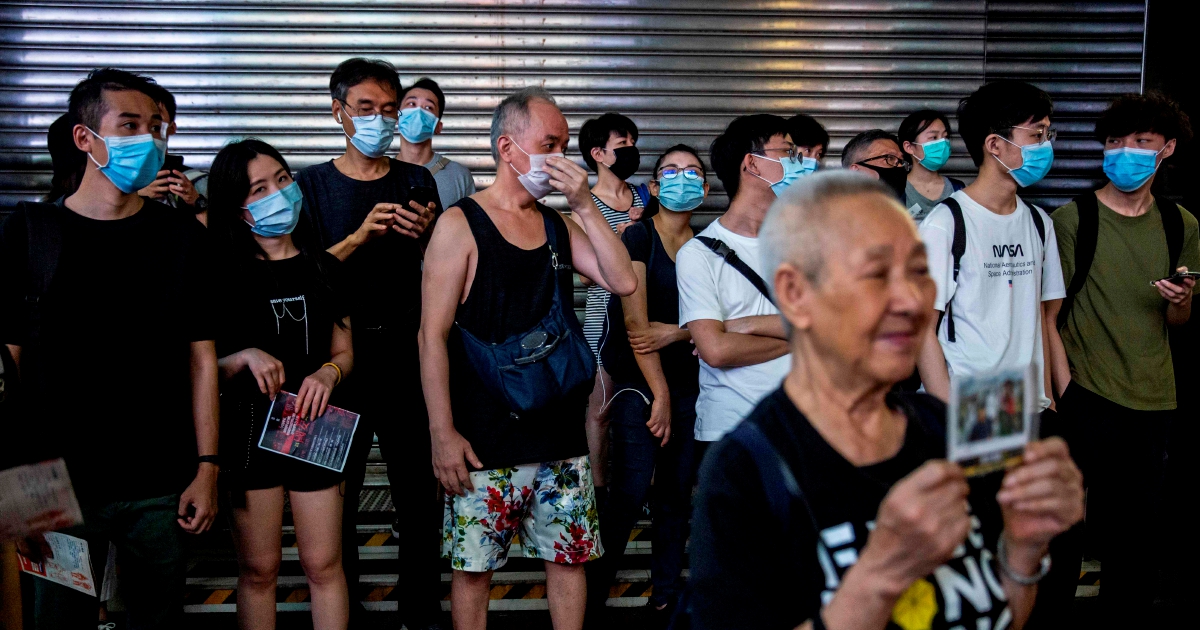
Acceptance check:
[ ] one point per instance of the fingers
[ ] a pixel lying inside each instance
(323, 402)
(470, 454)
(262, 384)
(934, 473)
(463, 479)
(202, 520)
(666, 435)
(304, 398)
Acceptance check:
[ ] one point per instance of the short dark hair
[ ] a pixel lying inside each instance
(995, 109)
(595, 132)
(87, 105)
(855, 150)
(66, 159)
(168, 101)
(676, 149)
(425, 83)
(807, 132)
(745, 135)
(356, 70)
(917, 122)
(1151, 112)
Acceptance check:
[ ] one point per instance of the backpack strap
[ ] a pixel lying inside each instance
(1086, 236)
(43, 227)
(1172, 220)
(1040, 224)
(731, 258)
(439, 164)
(958, 247)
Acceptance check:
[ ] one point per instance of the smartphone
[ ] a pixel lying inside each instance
(423, 195)
(173, 163)
(1177, 279)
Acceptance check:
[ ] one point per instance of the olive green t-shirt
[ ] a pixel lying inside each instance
(1116, 332)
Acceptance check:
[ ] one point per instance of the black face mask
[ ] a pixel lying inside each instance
(896, 178)
(627, 162)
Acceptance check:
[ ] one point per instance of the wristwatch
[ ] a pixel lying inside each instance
(1023, 580)
(209, 459)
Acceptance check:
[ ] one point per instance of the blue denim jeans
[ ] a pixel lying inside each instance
(153, 567)
(637, 458)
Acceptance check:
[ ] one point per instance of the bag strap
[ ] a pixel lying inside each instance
(1172, 220)
(958, 247)
(731, 258)
(1040, 224)
(439, 164)
(559, 242)
(1086, 235)
(45, 246)
(779, 483)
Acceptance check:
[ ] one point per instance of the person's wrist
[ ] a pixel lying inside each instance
(1022, 556)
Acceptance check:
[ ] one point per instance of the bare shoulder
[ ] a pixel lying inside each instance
(452, 230)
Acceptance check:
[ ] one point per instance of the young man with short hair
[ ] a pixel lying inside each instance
(122, 320)
(736, 328)
(810, 136)
(498, 266)
(422, 107)
(991, 299)
(373, 212)
(1115, 380)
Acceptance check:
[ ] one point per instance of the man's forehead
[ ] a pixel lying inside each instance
(122, 102)
(370, 90)
(869, 221)
(546, 120)
(883, 146)
(420, 94)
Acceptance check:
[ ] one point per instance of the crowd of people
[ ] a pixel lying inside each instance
(773, 385)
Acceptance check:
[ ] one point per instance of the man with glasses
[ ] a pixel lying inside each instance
(877, 154)
(996, 278)
(723, 299)
(373, 212)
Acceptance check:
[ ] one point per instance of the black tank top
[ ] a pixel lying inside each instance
(513, 289)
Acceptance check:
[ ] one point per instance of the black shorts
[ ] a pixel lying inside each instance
(271, 470)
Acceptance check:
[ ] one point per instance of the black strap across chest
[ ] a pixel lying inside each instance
(731, 258)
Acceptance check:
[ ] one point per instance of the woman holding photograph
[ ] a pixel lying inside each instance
(284, 330)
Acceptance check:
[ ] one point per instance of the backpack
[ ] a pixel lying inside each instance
(731, 258)
(959, 247)
(1088, 233)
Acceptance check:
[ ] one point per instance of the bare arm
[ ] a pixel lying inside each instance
(1058, 369)
(341, 349)
(761, 325)
(379, 220)
(443, 283)
(201, 495)
(15, 352)
(722, 349)
(931, 363)
(584, 280)
(596, 251)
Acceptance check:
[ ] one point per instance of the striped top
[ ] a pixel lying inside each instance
(596, 314)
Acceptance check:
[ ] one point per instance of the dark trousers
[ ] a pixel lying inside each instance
(153, 567)
(638, 458)
(1121, 453)
(387, 393)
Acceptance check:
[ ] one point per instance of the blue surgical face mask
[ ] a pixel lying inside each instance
(680, 194)
(372, 134)
(417, 124)
(793, 169)
(133, 161)
(1129, 169)
(277, 213)
(937, 153)
(1036, 160)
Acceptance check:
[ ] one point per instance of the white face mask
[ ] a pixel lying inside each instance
(537, 180)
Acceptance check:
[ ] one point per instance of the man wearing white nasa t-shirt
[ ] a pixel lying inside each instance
(737, 330)
(992, 315)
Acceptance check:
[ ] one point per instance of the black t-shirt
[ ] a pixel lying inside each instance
(283, 308)
(741, 553)
(680, 366)
(383, 276)
(113, 390)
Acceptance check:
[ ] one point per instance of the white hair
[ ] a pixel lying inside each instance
(512, 114)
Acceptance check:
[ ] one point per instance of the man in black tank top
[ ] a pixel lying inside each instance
(491, 270)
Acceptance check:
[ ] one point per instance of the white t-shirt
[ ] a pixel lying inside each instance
(1003, 279)
(711, 289)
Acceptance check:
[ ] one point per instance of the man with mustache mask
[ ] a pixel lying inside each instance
(373, 213)
(497, 279)
(876, 153)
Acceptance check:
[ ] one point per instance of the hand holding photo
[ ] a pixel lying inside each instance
(323, 441)
(991, 419)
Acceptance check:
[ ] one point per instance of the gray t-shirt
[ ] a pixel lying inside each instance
(453, 182)
(918, 205)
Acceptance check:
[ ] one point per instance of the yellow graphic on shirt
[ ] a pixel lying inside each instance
(916, 607)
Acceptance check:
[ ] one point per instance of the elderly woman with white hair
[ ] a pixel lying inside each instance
(832, 504)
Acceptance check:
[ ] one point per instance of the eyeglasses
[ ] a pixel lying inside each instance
(790, 151)
(688, 173)
(388, 111)
(892, 161)
(1044, 134)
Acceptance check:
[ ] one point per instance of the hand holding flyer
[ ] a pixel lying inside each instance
(323, 441)
(67, 563)
(991, 419)
(36, 498)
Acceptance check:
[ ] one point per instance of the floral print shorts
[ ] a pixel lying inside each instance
(552, 505)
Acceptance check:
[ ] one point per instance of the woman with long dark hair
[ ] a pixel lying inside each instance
(925, 137)
(285, 329)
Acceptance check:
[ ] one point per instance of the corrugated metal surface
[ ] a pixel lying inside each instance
(1082, 53)
(680, 69)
